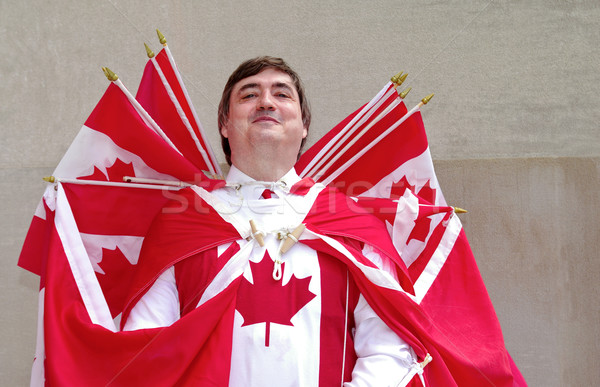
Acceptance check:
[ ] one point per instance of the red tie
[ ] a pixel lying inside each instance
(267, 194)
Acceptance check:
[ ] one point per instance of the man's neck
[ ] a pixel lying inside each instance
(271, 173)
(264, 169)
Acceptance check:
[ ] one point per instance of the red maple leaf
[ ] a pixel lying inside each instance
(399, 187)
(96, 175)
(427, 193)
(115, 281)
(119, 169)
(421, 229)
(267, 300)
(115, 172)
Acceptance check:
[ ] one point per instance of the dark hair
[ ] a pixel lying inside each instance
(247, 69)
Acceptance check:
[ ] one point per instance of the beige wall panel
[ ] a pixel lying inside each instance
(533, 227)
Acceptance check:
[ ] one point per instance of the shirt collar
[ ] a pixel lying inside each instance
(237, 176)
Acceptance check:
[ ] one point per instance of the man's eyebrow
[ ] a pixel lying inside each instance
(283, 85)
(252, 85)
(248, 86)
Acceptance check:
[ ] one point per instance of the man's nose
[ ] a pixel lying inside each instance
(265, 102)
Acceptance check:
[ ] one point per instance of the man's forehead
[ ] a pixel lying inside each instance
(267, 77)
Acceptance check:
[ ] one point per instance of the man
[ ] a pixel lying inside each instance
(299, 319)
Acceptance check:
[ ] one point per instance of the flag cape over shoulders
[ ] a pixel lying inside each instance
(180, 235)
(85, 241)
(182, 231)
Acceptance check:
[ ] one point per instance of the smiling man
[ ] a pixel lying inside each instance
(264, 124)
(298, 317)
(264, 117)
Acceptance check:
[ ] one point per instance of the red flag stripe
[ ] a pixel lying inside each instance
(437, 260)
(144, 115)
(166, 109)
(167, 64)
(80, 264)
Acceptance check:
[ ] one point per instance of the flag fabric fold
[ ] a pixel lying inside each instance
(349, 136)
(108, 223)
(81, 351)
(114, 142)
(395, 180)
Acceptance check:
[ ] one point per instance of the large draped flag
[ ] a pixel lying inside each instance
(390, 172)
(108, 222)
(86, 235)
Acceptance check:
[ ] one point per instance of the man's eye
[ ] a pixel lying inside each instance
(283, 95)
(248, 96)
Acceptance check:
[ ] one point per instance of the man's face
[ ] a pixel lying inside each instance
(264, 110)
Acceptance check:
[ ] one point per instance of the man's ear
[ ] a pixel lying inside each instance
(304, 132)
(224, 130)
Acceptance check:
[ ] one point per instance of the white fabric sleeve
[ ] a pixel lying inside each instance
(384, 359)
(159, 307)
(374, 256)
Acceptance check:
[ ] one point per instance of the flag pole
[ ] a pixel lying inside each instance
(348, 163)
(179, 109)
(133, 179)
(359, 119)
(338, 140)
(355, 139)
(132, 184)
(211, 154)
(140, 110)
(352, 126)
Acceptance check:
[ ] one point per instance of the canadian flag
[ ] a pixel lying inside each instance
(394, 178)
(347, 138)
(106, 224)
(114, 142)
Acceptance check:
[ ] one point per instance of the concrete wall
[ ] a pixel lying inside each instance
(513, 129)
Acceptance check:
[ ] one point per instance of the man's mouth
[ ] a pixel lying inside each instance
(265, 118)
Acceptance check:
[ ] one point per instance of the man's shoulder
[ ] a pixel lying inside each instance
(186, 223)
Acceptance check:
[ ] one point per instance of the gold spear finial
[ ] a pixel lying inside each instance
(427, 99)
(396, 77)
(458, 210)
(405, 92)
(49, 179)
(161, 37)
(149, 51)
(402, 79)
(110, 75)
